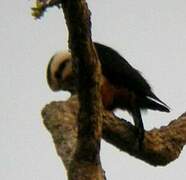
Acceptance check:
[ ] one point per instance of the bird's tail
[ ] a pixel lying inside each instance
(153, 96)
(151, 104)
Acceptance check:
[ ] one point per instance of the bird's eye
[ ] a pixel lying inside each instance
(60, 69)
(57, 75)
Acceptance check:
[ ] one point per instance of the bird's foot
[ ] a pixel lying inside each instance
(140, 138)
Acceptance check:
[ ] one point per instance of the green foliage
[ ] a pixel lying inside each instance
(38, 10)
(41, 5)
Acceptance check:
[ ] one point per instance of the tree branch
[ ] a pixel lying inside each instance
(86, 160)
(161, 146)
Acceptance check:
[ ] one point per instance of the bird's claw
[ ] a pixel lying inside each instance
(140, 137)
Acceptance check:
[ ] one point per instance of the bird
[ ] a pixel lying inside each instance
(122, 86)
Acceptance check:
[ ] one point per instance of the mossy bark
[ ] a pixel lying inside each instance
(161, 146)
(85, 163)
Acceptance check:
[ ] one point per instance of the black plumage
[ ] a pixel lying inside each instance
(121, 74)
(123, 77)
(122, 86)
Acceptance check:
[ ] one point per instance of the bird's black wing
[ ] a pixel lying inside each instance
(119, 72)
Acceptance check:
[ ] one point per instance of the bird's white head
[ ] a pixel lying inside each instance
(60, 75)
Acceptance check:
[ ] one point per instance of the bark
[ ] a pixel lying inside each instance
(85, 163)
(161, 146)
